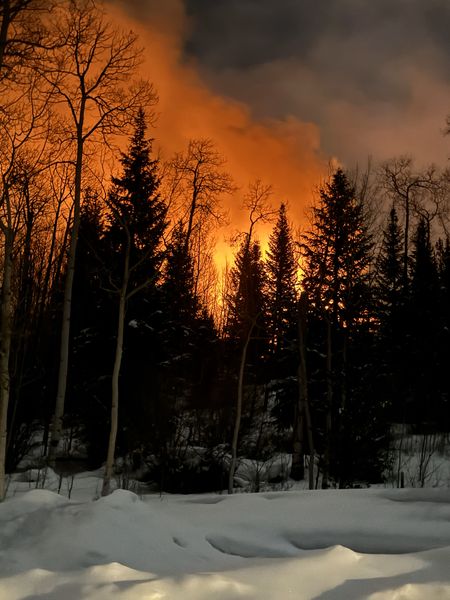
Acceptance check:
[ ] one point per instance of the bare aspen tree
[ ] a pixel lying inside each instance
(197, 180)
(33, 202)
(58, 190)
(5, 340)
(21, 126)
(258, 206)
(22, 34)
(89, 71)
(239, 404)
(416, 191)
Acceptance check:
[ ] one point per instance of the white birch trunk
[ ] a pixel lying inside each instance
(5, 347)
(57, 421)
(109, 465)
(237, 422)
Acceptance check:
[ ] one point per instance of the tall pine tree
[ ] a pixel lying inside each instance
(389, 272)
(336, 261)
(443, 340)
(281, 270)
(392, 319)
(424, 328)
(246, 298)
(136, 206)
(136, 226)
(282, 320)
(336, 254)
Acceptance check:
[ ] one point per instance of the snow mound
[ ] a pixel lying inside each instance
(120, 499)
(40, 498)
(330, 545)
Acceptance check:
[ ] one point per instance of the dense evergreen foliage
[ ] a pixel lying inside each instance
(376, 344)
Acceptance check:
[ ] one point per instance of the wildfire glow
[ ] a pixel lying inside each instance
(285, 154)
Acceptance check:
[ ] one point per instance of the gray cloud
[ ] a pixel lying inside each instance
(375, 76)
(241, 33)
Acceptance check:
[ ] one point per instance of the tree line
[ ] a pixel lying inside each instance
(116, 329)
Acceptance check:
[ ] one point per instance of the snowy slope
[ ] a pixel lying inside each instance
(378, 544)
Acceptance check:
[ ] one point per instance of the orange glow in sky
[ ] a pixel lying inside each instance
(284, 154)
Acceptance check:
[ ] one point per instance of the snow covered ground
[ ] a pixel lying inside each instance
(376, 543)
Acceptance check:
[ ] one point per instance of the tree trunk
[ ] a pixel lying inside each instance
(6, 22)
(406, 242)
(309, 431)
(192, 211)
(23, 318)
(115, 379)
(298, 446)
(329, 417)
(5, 348)
(43, 292)
(303, 415)
(345, 478)
(308, 421)
(57, 422)
(237, 422)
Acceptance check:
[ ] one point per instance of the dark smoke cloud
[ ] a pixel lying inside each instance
(374, 76)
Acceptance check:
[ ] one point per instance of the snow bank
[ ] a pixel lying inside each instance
(377, 544)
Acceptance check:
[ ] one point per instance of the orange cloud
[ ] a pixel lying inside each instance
(285, 154)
